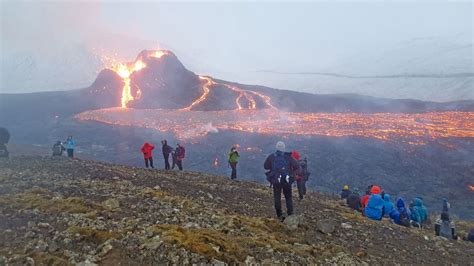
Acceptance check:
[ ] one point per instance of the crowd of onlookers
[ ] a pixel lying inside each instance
(376, 204)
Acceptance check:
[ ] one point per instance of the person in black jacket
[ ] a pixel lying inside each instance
(353, 201)
(167, 150)
(282, 169)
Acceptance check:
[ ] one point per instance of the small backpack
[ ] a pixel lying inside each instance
(280, 166)
(404, 219)
(57, 149)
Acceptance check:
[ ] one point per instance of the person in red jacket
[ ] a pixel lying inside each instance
(147, 150)
(179, 154)
(365, 199)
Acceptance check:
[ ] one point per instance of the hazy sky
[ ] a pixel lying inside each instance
(225, 39)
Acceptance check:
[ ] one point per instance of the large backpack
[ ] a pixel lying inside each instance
(280, 165)
(404, 218)
(57, 149)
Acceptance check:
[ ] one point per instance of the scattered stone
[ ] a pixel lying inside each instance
(292, 221)
(41, 246)
(326, 226)
(111, 204)
(346, 226)
(86, 263)
(29, 261)
(115, 178)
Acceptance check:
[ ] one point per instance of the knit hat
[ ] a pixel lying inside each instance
(280, 146)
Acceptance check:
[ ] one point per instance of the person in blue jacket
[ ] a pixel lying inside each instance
(401, 215)
(388, 205)
(375, 206)
(419, 213)
(70, 145)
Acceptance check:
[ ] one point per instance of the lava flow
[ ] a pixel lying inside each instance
(124, 71)
(413, 129)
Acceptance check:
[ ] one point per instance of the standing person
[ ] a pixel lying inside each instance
(282, 169)
(70, 145)
(345, 192)
(147, 150)
(303, 177)
(167, 150)
(58, 149)
(233, 160)
(445, 227)
(180, 153)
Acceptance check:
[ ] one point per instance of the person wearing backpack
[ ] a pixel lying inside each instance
(445, 227)
(58, 149)
(70, 145)
(167, 150)
(303, 177)
(282, 169)
(233, 159)
(179, 154)
(147, 150)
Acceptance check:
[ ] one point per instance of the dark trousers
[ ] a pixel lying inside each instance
(301, 184)
(150, 160)
(234, 170)
(278, 188)
(167, 162)
(177, 162)
(70, 153)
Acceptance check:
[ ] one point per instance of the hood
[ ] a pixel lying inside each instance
(400, 203)
(417, 202)
(386, 197)
(295, 155)
(375, 190)
(147, 144)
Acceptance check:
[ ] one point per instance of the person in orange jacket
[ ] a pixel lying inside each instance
(147, 150)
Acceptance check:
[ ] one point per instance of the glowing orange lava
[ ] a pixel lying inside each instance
(124, 71)
(247, 94)
(412, 129)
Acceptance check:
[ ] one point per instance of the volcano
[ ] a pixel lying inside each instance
(158, 80)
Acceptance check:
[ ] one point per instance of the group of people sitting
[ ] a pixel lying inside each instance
(375, 204)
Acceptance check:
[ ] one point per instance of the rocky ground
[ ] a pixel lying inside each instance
(58, 211)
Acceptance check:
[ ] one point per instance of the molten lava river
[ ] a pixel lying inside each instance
(416, 129)
(188, 124)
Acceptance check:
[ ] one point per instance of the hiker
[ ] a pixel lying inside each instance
(282, 169)
(345, 192)
(233, 159)
(445, 227)
(303, 176)
(4, 138)
(353, 201)
(375, 205)
(388, 205)
(179, 154)
(147, 150)
(470, 236)
(167, 150)
(419, 213)
(58, 149)
(365, 199)
(70, 145)
(401, 215)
